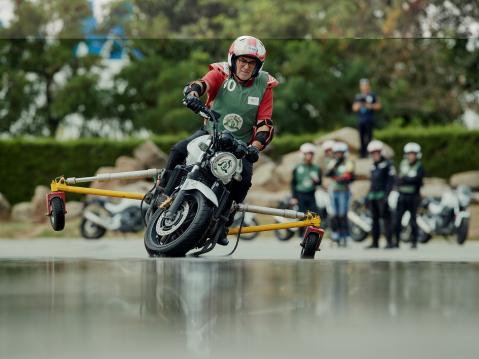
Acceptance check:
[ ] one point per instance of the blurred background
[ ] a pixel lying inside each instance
(91, 86)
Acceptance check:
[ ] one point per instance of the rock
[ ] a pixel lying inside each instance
(362, 168)
(434, 181)
(475, 197)
(105, 184)
(150, 156)
(434, 189)
(284, 171)
(263, 175)
(22, 212)
(360, 188)
(137, 187)
(39, 204)
(348, 135)
(126, 164)
(74, 209)
(388, 151)
(470, 178)
(267, 199)
(263, 159)
(5, 208)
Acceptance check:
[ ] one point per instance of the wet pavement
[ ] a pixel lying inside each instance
(236, 308)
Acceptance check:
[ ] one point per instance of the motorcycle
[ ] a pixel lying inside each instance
(248, 221)
(446, 216)
(195, 205)
(100, 215)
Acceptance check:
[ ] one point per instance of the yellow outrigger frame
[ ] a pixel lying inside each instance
(60, 185)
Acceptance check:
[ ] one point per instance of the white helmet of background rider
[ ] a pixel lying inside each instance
(307, 148)
(376, 145)
(248, 46)
(413, 147)
(327, 145)
(340, 147)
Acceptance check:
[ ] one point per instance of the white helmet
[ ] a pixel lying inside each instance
(340, 147)
(376, 145)
(307, 148)
(327, 145)
(413, 147)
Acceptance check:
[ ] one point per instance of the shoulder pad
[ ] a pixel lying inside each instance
(272, 82)
(221, 67)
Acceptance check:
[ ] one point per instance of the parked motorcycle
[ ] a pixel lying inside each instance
(248, 221)
(100, 215)
(194, 208)
(446, 216)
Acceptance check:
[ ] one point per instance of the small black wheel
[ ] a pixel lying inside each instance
(311, 243)
(462, 231)
(90, 230)
(284, 234)
(57, 216)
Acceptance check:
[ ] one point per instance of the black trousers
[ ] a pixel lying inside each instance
(407, 202)
(365, 136)
(380, 209)
(179, 152)
(307, 202)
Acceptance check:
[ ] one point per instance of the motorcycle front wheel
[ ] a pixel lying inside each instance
(283, 234)
(175, 237)
(461, 233)
(90, 230)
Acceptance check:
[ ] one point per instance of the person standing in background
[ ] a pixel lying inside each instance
(382, 182)
(409, 183)
(366, 103)
(341, 172)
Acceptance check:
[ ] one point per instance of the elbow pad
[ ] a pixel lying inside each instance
(198, 86)
(264, 136)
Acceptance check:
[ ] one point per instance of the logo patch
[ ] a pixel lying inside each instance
(253, 100)
(232, 122)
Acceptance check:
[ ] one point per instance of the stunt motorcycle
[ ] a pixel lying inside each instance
(100, 215)
(193, 209)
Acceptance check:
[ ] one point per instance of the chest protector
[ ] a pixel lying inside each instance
(238, 106)
(406, 170)
(304, 176)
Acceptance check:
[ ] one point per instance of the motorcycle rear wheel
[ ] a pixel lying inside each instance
(90, 230)
(462, 231)
(182, 235)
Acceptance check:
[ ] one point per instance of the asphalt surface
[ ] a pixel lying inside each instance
(72, 298)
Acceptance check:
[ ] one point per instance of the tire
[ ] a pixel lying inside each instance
(311, 242)
(462, 231)
(57, 216)
(283, 234)
(192, 220)
(423, 237)
(90, 230)
(357, 234)
(406, 233)
(250, 236)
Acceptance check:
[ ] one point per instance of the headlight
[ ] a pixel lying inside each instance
(223, 166)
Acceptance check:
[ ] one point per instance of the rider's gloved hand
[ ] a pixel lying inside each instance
(193, 103)
(252, 155)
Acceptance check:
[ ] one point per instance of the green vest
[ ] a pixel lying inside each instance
(238, 106)
(346, 166)
(406, 170)
(304, 176)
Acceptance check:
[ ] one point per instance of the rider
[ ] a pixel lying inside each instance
(341, 171)
(306, 177)
(409, 182)
(382, 182)
(242, 94)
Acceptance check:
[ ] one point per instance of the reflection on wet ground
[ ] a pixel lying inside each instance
(236, 308)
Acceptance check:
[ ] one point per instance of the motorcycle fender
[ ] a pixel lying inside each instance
(353, 217)
(460, 216)
(191, 185)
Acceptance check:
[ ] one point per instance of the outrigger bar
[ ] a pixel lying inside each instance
(153, 172)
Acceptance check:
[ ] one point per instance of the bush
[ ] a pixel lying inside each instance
(27, 163)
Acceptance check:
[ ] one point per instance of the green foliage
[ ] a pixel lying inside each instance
(446, 150)
(26, 163)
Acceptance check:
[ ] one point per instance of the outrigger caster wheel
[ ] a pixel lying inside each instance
(57, 215)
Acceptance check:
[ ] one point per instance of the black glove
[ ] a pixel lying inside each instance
(193, 103)
(253, 154)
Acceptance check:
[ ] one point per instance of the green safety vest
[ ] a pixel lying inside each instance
(238, 106)
(406, 170)
(346, 166)
(304, 175)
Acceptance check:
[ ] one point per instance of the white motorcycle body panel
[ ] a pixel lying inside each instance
(196, 149)
(190, 185)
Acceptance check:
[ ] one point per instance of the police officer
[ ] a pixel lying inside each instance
(341, 172)
(306, 177)
(382, 182)
(366, 103)
(409, 182)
